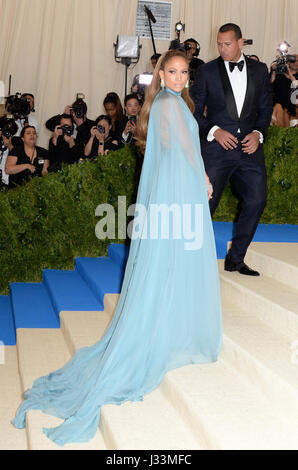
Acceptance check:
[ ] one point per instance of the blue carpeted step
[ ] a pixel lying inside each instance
(103, 275)
(68, 291)
(118, 253)
(223, 232)
(32, 307)
(7, 327)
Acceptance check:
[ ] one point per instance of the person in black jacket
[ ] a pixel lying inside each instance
(126, 127)
(78, 113)
(236, 92)
(63, 147)
(101, 140)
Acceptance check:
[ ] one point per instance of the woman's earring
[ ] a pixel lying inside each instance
(162, 83)
(187, 84)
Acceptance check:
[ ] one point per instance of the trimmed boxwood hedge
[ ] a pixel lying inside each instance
(50, 221)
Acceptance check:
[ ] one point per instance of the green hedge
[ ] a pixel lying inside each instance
(50, 221)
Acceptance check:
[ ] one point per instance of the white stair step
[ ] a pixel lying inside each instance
(276, 260)
(230, 413)
(271, 301)
(150, 424)
(263, 356)
(42, 351)
(132, 425)
(110, 303)
(82, 329)
(10, 397)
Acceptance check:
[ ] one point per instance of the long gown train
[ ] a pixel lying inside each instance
(169, 310)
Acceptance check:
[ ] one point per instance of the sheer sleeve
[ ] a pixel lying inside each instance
(176, 128)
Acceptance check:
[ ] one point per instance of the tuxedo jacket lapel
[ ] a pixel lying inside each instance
(228, 92)
(250, 90)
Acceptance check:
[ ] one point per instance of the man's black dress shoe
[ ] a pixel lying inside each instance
(242, 268)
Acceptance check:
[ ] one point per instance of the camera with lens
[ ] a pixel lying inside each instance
(66, 130)
(8, 128)
(18, 106)
(79, 107)
(283, 59)
(101, 129)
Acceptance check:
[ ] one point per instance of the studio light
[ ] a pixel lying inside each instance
(127, 52)
(179, 27)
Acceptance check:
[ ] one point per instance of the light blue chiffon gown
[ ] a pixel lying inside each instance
(169, 309)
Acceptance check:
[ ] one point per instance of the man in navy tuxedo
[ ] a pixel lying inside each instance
(233, 107)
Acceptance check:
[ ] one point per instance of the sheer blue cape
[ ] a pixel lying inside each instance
(169, 309)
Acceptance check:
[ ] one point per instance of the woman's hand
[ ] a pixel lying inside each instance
(93, 131)
(31, 168)
(209, 188)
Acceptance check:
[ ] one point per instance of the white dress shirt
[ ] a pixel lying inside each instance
(238, 82)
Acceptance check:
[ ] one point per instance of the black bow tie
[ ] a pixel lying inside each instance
(240, 65)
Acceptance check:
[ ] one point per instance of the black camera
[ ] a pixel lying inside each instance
(18, 106)
(101, 129)
(282, 61)
(284, 58)
(79, 107)
(8, 128)
(66, 129)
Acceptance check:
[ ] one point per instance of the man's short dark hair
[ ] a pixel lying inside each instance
(65, 116)
(231, 27)
(132, 96)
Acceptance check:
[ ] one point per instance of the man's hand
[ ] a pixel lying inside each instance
(251, 143)
(68, 109)
(130, 127)
(225, 139)
(70, 140)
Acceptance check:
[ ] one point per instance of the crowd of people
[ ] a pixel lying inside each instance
(75, 136)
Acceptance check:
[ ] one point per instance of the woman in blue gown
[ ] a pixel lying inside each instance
(169, 310)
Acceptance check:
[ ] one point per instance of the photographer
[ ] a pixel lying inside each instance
(126, 127)
(192, 48)
(101, 140)
(8, 128)
(26, 160)
(78, 113)
(282, 85)
(63, 147)
(113, 109)
(21, 107)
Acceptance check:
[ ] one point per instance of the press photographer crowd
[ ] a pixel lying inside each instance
(76, 137)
